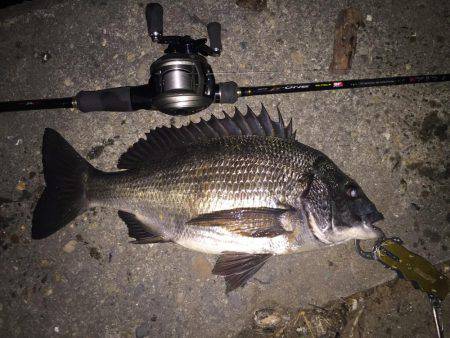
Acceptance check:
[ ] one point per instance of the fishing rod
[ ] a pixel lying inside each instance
(134, 98)
(182, 82)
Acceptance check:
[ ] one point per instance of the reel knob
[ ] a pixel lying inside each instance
(215, 41)
(154, 16)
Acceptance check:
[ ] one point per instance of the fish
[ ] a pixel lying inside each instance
(240, 187)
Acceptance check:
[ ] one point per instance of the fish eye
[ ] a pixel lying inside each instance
(352, 191)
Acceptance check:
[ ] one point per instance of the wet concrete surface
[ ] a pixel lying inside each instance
(89, 281)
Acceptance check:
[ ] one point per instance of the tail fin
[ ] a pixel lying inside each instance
(64, 197)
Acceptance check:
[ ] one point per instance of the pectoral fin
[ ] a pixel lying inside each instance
(238, 268)
(138, 230)
(252, 222)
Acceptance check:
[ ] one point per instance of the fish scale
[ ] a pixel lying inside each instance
(210, 177)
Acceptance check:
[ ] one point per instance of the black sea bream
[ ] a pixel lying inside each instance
(241, 187)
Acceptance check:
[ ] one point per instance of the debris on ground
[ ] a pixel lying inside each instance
(377, 312)
(347, 24)
(70, 246)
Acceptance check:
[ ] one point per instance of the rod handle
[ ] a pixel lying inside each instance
(111, 99)
(154, 16)
(215, 41)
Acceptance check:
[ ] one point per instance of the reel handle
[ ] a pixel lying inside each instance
(215, 41)
(154, 16)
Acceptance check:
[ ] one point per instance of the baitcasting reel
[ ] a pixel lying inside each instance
(182, 82)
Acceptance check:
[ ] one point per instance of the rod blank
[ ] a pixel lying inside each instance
(342, 84)
(63, 102)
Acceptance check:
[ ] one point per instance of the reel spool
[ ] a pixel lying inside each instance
(181, 84)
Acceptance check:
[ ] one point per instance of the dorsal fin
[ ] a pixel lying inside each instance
(164, 140)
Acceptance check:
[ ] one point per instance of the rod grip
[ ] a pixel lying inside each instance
(215, 41)
(154, 16)
(112, 99)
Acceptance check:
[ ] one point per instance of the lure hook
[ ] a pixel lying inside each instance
(369, 254)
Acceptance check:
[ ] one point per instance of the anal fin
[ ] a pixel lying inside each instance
(238, 267)
(139, 231)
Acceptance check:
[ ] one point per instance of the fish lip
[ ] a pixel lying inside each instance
(368, 224)
(372, 231)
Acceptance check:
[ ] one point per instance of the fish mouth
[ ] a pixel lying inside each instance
(336, 234)
(369, 232)
(363, 230)
(372, 232)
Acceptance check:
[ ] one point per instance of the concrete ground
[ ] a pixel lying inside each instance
(88, 281)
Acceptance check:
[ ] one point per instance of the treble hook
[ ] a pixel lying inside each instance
(369, 254)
